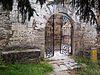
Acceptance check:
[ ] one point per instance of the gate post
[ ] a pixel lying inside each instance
(72, 39)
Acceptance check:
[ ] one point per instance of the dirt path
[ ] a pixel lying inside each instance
(62, 64)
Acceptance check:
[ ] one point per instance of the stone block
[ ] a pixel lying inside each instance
(24, 56)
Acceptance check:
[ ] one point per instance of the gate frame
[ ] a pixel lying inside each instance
(72, 31)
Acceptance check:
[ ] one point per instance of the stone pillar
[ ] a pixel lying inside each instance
(73, 40)
(98, 27)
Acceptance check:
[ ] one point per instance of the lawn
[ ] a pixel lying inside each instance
(26, 69)
(88, 68)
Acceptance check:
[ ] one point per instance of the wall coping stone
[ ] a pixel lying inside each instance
(16, 51)
(24, 56)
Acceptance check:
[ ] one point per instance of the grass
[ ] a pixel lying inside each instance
(88, 68)
(29, 69)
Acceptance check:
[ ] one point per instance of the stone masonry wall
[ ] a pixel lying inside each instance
(25, 56)
(31, 34)
(5, 28)
(26, 38)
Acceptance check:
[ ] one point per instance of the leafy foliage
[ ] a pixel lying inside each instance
(87, 67)
(24, 7)
(41, 2)
(1, 62)
(85, 9)
(7, 4)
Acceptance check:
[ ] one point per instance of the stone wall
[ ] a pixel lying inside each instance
(5, 28)
(24, 56)
(15, 36)
(31, 34)
(26, 37)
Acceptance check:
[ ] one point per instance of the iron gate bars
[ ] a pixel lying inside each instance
(50, 40)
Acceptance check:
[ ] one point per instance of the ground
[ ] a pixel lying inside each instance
(62, 64)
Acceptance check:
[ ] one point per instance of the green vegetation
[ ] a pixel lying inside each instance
(88, 68)
(26, 69)
(1, 62)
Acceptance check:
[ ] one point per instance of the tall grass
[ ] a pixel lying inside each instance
(87, 67)
(29, 69)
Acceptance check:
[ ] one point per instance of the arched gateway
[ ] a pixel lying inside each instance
(59, 33)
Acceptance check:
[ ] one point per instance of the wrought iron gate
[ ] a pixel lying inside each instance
(49, 42)
(56, 37)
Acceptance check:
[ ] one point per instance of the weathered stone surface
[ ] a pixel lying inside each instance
(5, 28)
(62, 64)
(3, 33)
(23, 38)
(23, 56)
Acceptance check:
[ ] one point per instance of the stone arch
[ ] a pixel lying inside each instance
(59, 18)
